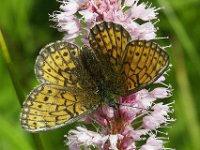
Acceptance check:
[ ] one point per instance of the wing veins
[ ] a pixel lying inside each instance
(139, 62)
(57, 97)
(51, 76)
(146, 62)
(130, 63)
(156, 61)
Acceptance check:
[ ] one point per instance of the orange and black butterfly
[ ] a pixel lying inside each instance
(75, 81)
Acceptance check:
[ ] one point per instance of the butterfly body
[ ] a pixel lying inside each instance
(105, 80)
(76, 81)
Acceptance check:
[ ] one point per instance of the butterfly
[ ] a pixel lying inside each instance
(74, 81)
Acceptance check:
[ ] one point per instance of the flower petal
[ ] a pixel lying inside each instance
(70, 8)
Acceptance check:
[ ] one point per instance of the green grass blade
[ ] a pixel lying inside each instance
(19, 92)
(11, 70)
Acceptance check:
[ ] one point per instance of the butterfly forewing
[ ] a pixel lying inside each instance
(143, 63)
(109, 40)
(57, 63)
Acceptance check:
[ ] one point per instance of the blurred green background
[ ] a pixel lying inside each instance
(26, 28)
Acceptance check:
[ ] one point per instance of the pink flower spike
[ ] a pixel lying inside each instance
(151, 122)
(161, 109)
(70, 8)
(70, 37)
(119, 17)
(160, 80)
(128, 143)
(146, 31)
(71, 25)
(152, 144)
(142, 12)
(130, 99)
(100, 120)
(128, 112)
(108, 111)
(102, 116)
(136, 134)
(157, 117)
(82, 136)
(113, 141)
(144, 99)
(161, 92)
(88, 15)
(61, 17)
(129, 3)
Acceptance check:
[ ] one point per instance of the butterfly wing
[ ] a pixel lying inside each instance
(51, 106)
(109, 40)
(64, 92)
(59, 63)
(135, 64)
(143, 63)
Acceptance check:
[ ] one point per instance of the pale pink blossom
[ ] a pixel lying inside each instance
(129, 3)
(70, 8)
(152, 144)
(160, 80)
(141, 11)
(145, 31)
(136, 135)
(161, 92)
(67, 23)
(83, 136)
(144, 99)
(114, 140)
(88, 15)
(70, 37)
(93, 11)
(76, 138)
(157, 117)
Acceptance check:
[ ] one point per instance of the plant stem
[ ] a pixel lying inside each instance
(11, 70)
(16, 84)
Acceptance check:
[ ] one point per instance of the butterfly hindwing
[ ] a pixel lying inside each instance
(143, 63)
(51, 106)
